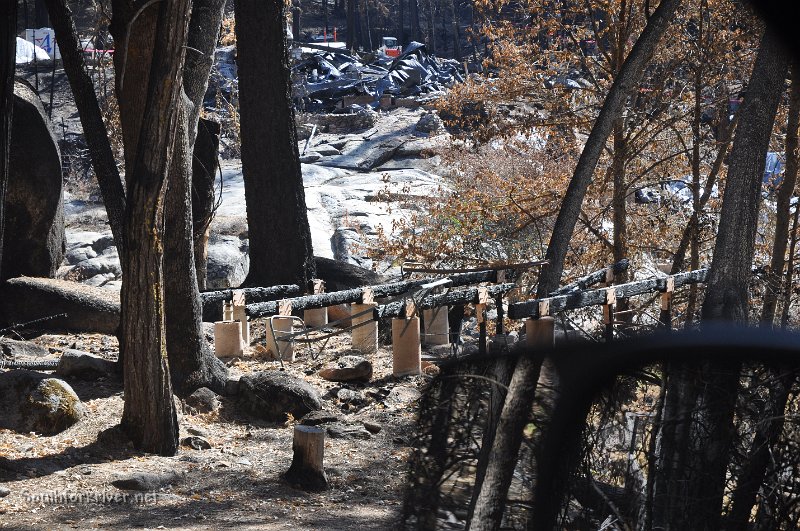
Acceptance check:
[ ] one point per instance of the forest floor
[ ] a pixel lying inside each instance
(64, 481)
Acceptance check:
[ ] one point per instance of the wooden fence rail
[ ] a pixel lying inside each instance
(597, 297)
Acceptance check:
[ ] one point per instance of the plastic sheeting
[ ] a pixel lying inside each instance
(327, 76)
(26, 51)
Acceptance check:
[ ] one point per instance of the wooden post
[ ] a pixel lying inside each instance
(228, 338)
(608, 313)
(666, 303)
(237, 314)
(436, 326)
(318, 316)
(365, 337)
(480, 315)
(307, 470)
(499, 327)
(540, 333)
(406, 350)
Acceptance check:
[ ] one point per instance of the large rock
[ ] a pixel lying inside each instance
(11, 348)
(228, 262)
(34, 402)
(33, 244)
(348, 369)
(271, 395)
(87, 309)
(84, 365)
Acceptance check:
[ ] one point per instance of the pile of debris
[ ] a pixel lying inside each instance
(324, 77)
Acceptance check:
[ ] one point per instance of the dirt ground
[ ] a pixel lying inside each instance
(64, 481)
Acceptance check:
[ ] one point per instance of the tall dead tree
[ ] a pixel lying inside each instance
(783, 211)
(280, 237)
(150, 50)
(489, 506)
(94, 129)
(8, 44)
(727, 295)
(192, 363)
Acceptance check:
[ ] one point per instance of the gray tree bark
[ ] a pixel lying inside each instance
(277, 219)
(94, 129)
(8, 44)
(727, 286)
(192, 362)
(150, 51)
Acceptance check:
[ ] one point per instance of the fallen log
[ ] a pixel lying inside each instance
(212, 300)
(323, 300)
(87, 309)
(453, 298)
(591, 279)
(582, 299)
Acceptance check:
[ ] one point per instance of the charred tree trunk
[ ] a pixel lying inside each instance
(768, 432)
(204, 171)
(94, 129)
(280, 237)
(192, 363)
(8, 45)
(351, 24)
(414, 13)
(431, 40)
(787, 281)
(727, 288)
(151, 46)
(456, 31)
(783, 211)
(619, 207)
(401, 22)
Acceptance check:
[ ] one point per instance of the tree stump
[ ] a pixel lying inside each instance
(307, 471)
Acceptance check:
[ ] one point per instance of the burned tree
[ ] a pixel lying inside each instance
(151, 46)
(280, 237)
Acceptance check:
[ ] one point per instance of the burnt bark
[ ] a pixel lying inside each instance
(151, 46)
(783, 212)
(204, 171)
(280, 237)
(8, 43)
(192, 362)
(351, 24)
(727, 289)
(94, 129)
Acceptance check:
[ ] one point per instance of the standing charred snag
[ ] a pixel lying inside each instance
(782, 207)
(204, 172)
(94, 129)
(8, 34)
(192, 362)
(307, 469)
(727, 295)
(151, 44)
(280, 237)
